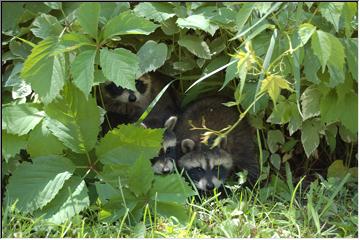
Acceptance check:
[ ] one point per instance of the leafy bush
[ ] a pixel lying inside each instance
(56, 54)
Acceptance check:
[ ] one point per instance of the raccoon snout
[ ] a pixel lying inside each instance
(210, 186)
(132, 97)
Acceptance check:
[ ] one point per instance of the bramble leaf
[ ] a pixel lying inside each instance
(74, 120)
(273, 84)
(45, 26)
(82, 70)
(310, 102)
(12, 144)
(120, 66)
(36, 184)
(158, 11)
(88, 17)
(196, 46)
(151, 56)
(310, 135)
(197, 22)
(140, 186)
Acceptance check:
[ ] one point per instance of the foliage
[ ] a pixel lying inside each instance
(54, 56)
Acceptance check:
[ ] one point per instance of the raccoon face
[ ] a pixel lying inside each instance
(207, 168)
(139, 97)
(164, 163)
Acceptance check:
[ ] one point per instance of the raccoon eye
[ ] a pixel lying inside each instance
(140, 86)
(199, 169)
(219, 171)
(113, 90)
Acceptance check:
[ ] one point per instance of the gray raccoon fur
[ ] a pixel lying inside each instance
(207, 167)
(126, 106)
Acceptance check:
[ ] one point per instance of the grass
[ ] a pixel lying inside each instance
(326, 208)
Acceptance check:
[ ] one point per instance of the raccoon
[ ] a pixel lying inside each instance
(126, 106)
(209, 167)
(164, 163)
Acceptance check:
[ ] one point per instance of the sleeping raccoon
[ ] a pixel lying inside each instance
(126, 106)
(164, 163)
(208, 168)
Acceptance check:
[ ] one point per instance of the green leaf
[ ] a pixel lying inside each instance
(112, 9)
(141, 185)
(116, 174)
(311, 66)
(38, 137)
(282, 113)
(321, 45)
(196, 46)
(348, 14)
(72, 41)
(54, 5)
(330, 111)
(331, 11)
(243, 15)
(273, 85)
(310, 135)
(305, 32)
(172, 210)
(120, 66)
(106, 191)
(337, 169)
(128, 23)
(310, 102)
(20, 118)
(151, 56)
(231, 71)
(158, 11)
(170, 189)
(197, 22)
(74, 120)
(336, 62)
(88, 17)
(11, 15)
(126, 143)
(275, 160)
(46, 26)
(82, 70)
(19, 49)
(71, 200)
(35, 185)
(12, 144)
(349, 116)
(44, 71)
(295, 122)
(351, 49)
(275, 137)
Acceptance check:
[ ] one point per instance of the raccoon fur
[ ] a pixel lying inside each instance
(209, 167)
(164, 163)
(126, 106)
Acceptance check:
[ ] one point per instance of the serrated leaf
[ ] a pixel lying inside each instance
(329, 108)
(243, 15)
(321, 45)
(311, 66)
(120, 66)
(170, 189)
(282, 113)
(331, 11)
(116, 175)
(349, 116)
(158, 11)
(305, 32)
(337, 169)
(273, 84)
(351, 49)
(71, 200)
(46, 26)
(12, 144)
(151, 56)
(82, 70)
(106, 191)
(88, 16)
(72, 41)
(128, 23)
(126, 143)
(12, 12)
(19, 119)
(112, 9)
(44, 71)
(310, 102)
(172, 210)
(74, 120)
(336, 62)
(310, 135)
(197, 22)
(38, 137)
(140, 186)
(35, 185)
(19, 49)
(348, 13)
(196, 46)
(54, 5)
(274, 138)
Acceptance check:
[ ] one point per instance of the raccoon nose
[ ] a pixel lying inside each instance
(210, 186)
(166, 170)
(132, 98)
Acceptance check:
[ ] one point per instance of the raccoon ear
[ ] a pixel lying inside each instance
(170, 123)
(187, 145)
